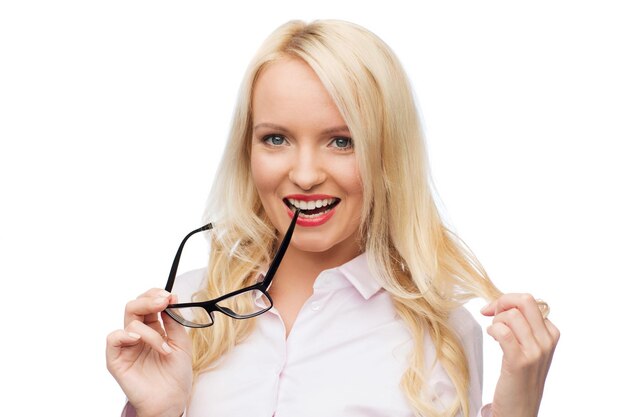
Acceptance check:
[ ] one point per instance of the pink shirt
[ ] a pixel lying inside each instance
(345, 356)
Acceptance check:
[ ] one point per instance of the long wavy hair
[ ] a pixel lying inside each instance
(426, 269)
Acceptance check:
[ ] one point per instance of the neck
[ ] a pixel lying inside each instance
(299, 269)
(293, 282)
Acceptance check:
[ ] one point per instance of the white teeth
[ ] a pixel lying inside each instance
(311, 216)
(310, 205)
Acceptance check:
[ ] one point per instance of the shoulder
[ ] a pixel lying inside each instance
(463, 322)
(188, 283)
(195, 275)
(470, 336)
(467, 329)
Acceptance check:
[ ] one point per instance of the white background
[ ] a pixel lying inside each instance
(113, 115)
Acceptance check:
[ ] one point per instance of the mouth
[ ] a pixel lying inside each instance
(310, 209)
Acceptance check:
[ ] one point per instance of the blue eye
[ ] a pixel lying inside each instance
(274, 140)
(342, 143)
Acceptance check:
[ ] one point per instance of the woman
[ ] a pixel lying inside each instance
(367, 316)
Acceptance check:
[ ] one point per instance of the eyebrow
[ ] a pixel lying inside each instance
(278, 128)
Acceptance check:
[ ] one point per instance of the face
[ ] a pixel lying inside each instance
(302, 156)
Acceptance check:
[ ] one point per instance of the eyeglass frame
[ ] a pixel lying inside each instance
(211, 305)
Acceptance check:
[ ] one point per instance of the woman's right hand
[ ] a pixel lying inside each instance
(151, 360)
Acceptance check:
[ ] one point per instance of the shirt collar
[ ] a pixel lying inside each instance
(357, 272)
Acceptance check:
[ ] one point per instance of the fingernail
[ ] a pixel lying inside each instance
(482, 310)
(160, 300)
(164, 294)
(167, 348)
(133, 335)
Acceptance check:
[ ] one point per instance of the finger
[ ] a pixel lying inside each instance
(153, 292)
(146, 307)
(515, 321)
(118, 340)
(525, 303)
(176, 333)
(554, 332)
(507, 340)
(150, 336)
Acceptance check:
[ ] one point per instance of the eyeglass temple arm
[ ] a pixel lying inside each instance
(172, 276)
(281, 251)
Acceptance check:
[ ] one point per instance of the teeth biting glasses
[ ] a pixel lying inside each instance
(311, 207)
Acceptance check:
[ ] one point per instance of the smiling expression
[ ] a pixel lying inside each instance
(302, 156)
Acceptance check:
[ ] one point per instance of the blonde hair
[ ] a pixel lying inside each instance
(426, 269)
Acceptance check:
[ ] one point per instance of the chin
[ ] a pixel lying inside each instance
(321, 246)
(311, 245)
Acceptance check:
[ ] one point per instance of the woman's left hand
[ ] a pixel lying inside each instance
(528, 341)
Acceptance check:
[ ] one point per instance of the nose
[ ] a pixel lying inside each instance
(307, 169)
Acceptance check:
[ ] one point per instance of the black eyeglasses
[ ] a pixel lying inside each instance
(245, 303)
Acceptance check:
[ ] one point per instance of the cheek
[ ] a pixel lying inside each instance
(349, 178)
(264, 174)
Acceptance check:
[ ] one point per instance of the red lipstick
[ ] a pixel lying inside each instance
(310, 197)
(311, 220)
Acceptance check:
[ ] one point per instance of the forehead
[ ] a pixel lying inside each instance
(289, 89)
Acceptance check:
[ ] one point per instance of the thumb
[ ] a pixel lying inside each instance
(176, 333)
(490, 309)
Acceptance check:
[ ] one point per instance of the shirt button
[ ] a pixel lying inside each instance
(315, 306)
